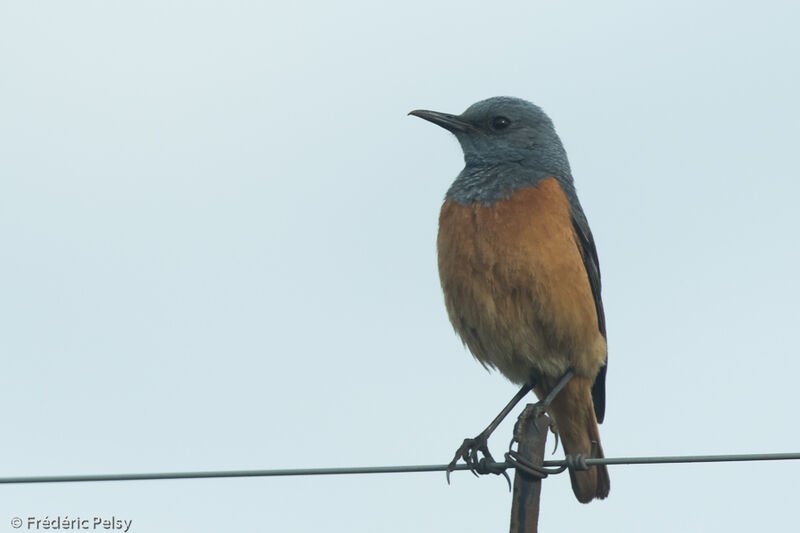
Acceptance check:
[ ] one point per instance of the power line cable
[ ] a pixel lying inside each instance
(390, 469)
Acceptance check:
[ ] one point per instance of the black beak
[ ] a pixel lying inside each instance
(449, 122)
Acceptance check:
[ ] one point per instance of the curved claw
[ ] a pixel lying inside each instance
(470, 451)
(463, 452)
(538, 411)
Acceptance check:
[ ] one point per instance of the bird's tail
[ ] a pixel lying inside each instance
(576, 423)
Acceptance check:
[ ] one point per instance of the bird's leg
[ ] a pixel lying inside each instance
(544, 404)
(470, 448)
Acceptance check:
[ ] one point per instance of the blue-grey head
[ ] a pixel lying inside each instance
(508, 143)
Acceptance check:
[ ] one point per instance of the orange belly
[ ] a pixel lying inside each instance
(515, 286)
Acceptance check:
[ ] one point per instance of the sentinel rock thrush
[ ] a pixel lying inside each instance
(520, 274)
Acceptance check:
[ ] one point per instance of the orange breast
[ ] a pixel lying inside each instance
(515, 286)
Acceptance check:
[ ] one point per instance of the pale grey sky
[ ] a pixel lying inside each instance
(217, 231)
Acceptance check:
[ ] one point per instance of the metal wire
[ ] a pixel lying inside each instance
(232, 474)
(688, 459)
(391, 469)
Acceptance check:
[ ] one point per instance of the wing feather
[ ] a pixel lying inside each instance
(592, 266)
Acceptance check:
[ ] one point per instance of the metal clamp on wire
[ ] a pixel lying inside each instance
(578, 461)
(490, 467)
(513, 460)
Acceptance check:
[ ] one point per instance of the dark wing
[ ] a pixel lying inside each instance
(592, 266)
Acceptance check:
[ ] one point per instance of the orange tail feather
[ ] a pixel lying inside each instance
(576, 423)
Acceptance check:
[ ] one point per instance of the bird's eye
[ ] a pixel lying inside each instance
(500, 123)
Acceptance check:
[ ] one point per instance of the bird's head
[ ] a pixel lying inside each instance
(504, 130)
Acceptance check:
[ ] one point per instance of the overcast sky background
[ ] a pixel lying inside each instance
(217, 251)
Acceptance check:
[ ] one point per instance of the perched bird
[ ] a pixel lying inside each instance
(520, 274)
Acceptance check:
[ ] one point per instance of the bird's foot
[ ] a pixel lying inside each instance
(470, 451)
(538, 409)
